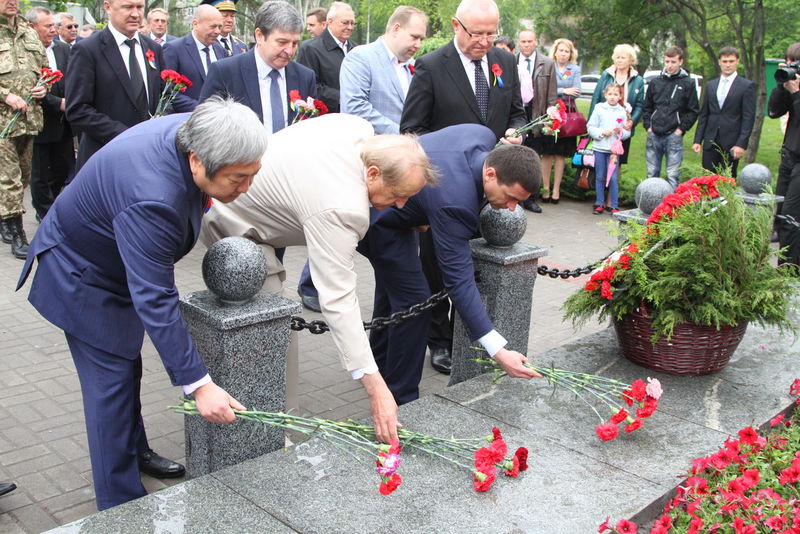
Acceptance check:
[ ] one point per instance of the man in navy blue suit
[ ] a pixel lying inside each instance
(262, 78)
(106, 252)
(472, 172)
(193, 54)
(105, 95)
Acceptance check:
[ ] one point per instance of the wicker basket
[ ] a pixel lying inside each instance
(693, 350)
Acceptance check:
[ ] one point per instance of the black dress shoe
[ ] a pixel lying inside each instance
(7, 487)
(159, 467)
(530, 205)
(441, 360)
(312, 303)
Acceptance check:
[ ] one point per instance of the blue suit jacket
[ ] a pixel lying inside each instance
(452, 209)
(237, 76)
(182, 55)
(369, 87)
(108, 245)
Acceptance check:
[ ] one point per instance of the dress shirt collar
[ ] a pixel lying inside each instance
(201, 46)
(729, 78)
(340, 44)
(468, 62)
(391, 56)
(120, 39)
(263, 69)
(522, 59)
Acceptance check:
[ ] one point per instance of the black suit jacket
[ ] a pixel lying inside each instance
(323, 55)
(182, 55)
(100, 101)
(55, 122)
(440, 94)
(730, 126)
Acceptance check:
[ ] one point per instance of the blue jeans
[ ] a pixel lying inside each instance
(664, 146)
(601, 160)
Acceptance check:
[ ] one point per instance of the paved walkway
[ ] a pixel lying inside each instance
(42, 439)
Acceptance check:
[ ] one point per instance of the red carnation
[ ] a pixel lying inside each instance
(512, 470)
(633, 426)
(411, 69)
(496, 70)
(619, 417)
(522, 456)
(294, 94)
(322, 109)
(483, 479)
(607, 431)
(150, 56)
(639, 389)
(388, 486)
(647, 408)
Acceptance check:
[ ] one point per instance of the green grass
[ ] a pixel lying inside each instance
(635, 170)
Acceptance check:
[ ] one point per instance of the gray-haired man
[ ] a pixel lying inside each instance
(106, 254)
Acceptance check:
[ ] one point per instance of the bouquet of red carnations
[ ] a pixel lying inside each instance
(47, 77)
(174, 83)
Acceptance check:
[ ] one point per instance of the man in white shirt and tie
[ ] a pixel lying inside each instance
(158, 22)
(727, 116)
(192, 54)
(374, 78)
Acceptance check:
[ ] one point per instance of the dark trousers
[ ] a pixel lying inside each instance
(110, 386)
(440, 335)
(399, 350)
(788, 186)
(52, 166)
(716, 157)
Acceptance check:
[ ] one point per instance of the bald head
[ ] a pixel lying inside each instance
(475, 26)
(469, 8)
(207, 24)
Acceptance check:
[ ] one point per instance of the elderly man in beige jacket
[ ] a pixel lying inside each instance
(317, 182)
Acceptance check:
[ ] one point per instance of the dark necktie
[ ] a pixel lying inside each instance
(275, 102)
(481, 90)
(137, 81)
(528, 61)
(226, 45)
(208, 58)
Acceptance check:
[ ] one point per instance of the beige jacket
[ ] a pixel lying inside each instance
(311, 190)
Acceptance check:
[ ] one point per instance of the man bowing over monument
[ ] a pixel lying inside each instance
(316, 186)
(106, 252)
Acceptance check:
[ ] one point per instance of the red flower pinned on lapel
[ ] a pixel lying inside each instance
(411, 69)
(497, 71)
(151, 59)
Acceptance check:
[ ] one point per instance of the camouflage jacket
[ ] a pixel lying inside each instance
(21, 58)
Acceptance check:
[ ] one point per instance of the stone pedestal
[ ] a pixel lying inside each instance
(244, 347)
(505, 282)
(635, 215)
(753, 200)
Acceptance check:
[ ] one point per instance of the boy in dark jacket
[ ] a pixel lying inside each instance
(670, 109)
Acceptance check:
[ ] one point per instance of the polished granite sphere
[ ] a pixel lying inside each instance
(754, 178)
(502, 228)
(650, 193)
(234, 269)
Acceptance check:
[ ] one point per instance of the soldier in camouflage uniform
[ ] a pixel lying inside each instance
(21, 58)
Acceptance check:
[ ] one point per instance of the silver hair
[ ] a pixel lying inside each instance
(201, 134)
(336, 7)
(32, 15)
(61, 16)
(278, 15)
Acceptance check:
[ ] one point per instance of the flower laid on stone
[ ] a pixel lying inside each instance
(46, 77)
(174, 83)
(305, 109)
(626, 404)
(472, 454)
(750, 485)
(704, 258)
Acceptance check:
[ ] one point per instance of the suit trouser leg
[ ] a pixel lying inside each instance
(41, 195)
(440, 334)
(788, 235)
(305, 286)
(399, 283)
(110, 389)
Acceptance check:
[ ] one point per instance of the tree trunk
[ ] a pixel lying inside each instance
(758, 76)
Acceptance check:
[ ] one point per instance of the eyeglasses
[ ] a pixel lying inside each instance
(347, 22)
(71, 26)
(477, 36)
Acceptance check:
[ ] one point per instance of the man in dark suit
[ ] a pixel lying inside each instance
(727, 116)
(53, 152)
(472, 171)
(465, 81)
(106, 254)
(105, 95)
(193, 54)
(227, 9)
(543, 76)
(324, 54)
(266, 74)
(158, 22)
(67, 28)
